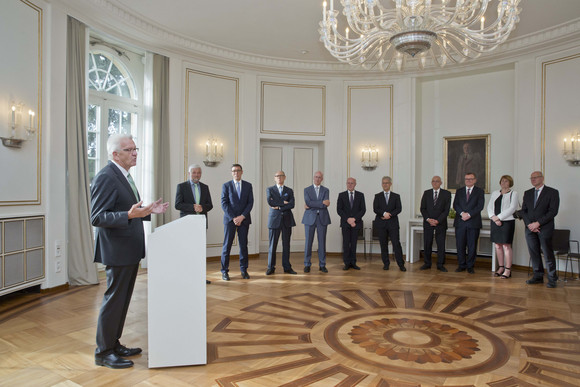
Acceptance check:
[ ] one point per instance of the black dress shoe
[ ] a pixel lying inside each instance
(442, 268)
(323, 269)
(245, 275)
(386, 267)
(551, 284)
(533, 281)
(402, 268)
(225, 276)
(346, 267)
(207, 282)
(425, 267)
(112, 360)
(289, 271)
(471, 271)
(307, 269)
(121, 350)
(459, 269)
(354, 266)
(268, 272)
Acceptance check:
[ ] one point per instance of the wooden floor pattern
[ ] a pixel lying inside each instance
(343, 328)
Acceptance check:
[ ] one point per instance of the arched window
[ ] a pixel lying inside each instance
(114, 104)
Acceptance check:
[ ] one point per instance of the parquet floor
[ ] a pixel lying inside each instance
(343, 328)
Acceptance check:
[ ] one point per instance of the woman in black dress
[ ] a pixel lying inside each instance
(501, 207)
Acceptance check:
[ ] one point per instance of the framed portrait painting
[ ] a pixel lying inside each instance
(466, 154)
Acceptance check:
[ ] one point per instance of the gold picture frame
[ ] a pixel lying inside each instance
(464, 154)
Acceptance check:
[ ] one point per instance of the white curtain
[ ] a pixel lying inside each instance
(81, 269)
(160, 119)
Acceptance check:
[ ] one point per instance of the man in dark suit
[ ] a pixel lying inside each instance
(192, 196)
(387, 206)
(351, 208)
(468, 204)
(435, 205)
(280, 220)
(539, 208)
(237, 202)
(117, 214)
(316, 218)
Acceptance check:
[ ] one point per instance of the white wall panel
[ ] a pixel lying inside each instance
(211, 110)
(20, 81)
(293, 109)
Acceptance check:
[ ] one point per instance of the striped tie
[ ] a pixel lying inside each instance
(133, 186)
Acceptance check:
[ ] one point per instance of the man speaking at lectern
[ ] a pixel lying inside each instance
(118, 215)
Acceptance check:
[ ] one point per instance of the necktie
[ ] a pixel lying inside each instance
(133, 186)
(468, 193)
(536, 196)
(281, 189)
(238, 189)
(196, 192)
(387, 197)
(351, 199)
(317, 190)
(435, 198)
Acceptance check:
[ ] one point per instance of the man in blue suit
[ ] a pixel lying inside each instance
(117, 215)
(351, 208)
(280, 220)
(316, 218)
(237, 202)
(468, 204)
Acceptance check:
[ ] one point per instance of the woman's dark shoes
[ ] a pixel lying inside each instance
(498, 273)
(505, 275)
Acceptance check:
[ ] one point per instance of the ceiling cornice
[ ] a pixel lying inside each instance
(157, 38)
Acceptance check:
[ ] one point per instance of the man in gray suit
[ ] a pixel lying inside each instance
(117, 214)
(316, 218)
(280, 220)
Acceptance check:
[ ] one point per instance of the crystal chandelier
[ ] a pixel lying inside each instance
(415, 33)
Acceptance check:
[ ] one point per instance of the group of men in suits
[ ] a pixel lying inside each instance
(540, 207)
(117, 213)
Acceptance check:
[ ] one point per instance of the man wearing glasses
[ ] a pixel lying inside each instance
(280, 221)
(540, 207)
(237, 202)
(117, 215)
(468, 204)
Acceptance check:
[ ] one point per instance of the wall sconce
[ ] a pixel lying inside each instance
(20, 128)
(572, 153)
(214, 152)
(370, 157)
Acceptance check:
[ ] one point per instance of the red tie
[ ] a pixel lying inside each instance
(468, 193)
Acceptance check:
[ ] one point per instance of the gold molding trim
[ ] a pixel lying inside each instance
(543, 106)
(186, 129)
(189, 71)
(305, 86)
(38, 199)
(391, 120)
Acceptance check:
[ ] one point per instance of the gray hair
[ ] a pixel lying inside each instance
(387, 178)
(193, 166)
(114, 142)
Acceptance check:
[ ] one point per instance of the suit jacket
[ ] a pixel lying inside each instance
(474, 207)
(315, 206)
(545, 211)
(120, 241)
(283, 215)
(357, 211)
(439, 211)
(394, 207)
(234, 206)
(184, 199)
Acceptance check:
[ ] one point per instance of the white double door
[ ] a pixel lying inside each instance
(299, 161)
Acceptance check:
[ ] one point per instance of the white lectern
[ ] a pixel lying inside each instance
(176, 256)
